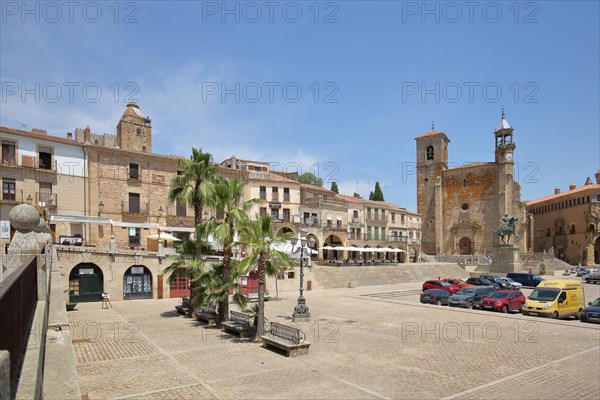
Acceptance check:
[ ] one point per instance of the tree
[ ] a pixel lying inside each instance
(357, 195)
(194, 184)
(226, 198)
(212, 289)
(377, 194)
(186, 262)
(310, 179)
(258, 237)
(371, 195)
(334, 187)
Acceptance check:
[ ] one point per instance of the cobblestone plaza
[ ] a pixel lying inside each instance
(366, 342)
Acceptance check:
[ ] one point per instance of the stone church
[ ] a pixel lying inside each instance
(462, 206)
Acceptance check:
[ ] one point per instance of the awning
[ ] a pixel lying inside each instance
(164, 236)
(177, 229)
(80, 219)
(135, 225)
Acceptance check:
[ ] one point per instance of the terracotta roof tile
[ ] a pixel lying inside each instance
(562, 194)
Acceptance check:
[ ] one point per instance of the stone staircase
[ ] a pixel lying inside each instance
(338, 277)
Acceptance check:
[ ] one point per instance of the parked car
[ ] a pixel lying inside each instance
(470, 297)
(526, 279)
(435, 296)
(437, 284)
(556, 299)
(503, 300)
(482, 282)
(458, 282)
(592, 312)
(593, 277)
(514, 285)
(497, 280)
(582, 271)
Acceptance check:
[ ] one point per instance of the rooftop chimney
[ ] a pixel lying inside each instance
(588, 181)
(40, 131)
(572, 186)
(70, 135)
(556, 190)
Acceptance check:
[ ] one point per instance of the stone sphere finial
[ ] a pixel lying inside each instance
(24, 218)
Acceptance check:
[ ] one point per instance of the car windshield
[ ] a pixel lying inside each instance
(466, 291)
(596, 302)
(508, 279)
(544, 294)
(498, 295)
(445, 284)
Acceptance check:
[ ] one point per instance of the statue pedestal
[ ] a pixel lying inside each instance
(505, 258)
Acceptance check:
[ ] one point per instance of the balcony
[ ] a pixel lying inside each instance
(376, 218)
(354, 221)
(49, 200)
(135, 208)
(335, 228)
(275, 196)
(42, 164)
(312, 222)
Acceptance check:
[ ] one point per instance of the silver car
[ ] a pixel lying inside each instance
(512, 284)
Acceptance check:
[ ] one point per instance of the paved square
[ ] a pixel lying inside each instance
(366, 342)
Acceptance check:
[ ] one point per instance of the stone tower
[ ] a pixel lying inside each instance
(505, 148)
(432, 159)
(134, 131)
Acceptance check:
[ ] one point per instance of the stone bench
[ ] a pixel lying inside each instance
(239, 323)
(209, 315)
(287, 338)
(251, 297)
(184, 305)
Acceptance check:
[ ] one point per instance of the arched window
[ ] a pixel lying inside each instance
(592, 228)
(572, 229)
(430, 153)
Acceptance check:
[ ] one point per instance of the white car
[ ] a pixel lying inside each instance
(513, 284)
(589, 271)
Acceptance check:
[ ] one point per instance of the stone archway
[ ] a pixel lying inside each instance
(137, 283)
(332, 241)
(465, 246)
(86, 283)
(284, 229)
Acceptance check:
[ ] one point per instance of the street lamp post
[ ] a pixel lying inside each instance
(301, 311)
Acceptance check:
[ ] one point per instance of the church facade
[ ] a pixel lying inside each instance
(462, 206)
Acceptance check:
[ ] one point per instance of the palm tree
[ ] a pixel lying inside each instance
(186, 259)
(194, 184)
(211, 289)
(226, 198)
(258, 237)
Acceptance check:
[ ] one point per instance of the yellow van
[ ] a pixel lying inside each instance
(556, 299)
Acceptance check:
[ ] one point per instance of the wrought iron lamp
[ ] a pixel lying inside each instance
(301, 311)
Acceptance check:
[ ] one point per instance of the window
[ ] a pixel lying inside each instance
(355, 214)
(96, 142)
(402, 218)
(45, 194)
(263, 211)
(376, 213)
(572, 229)
(8, 189)
(382, 233)
(263, 192)
(134, 202)
(383, 215)
(286, 215)
(134, 236)
(368, 233)
(45, 158)
(8, 153)
(290, 274)
(368, 212)
(275, 214)
(393, 218)
(180, 209)
(465, 206)
(376, 233)
(465, 182)
(430, 153)
(134, 171)
(138, 132)
(286, 194)
(275, 194)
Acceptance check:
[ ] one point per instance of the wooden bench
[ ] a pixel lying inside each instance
(184, 305)
(239, 323)
(209, 315)
(287, 338)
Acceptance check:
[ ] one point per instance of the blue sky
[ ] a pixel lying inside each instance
(339, 88)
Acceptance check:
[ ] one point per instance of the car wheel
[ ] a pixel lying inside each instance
(587, 280)
(505, 309)
(555, 315)
(439, 303)
(470, 305)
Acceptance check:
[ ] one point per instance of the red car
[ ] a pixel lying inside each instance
(455, 281)
(503, 300)
(439, 284)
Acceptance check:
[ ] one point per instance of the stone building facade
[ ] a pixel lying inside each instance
(462, 206)
(567, 224)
